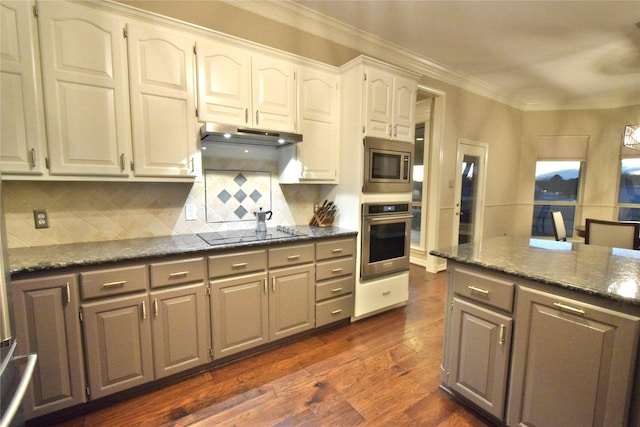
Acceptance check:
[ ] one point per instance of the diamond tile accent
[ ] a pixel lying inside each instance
(240, 196)
(240, 179)
(255, 195)
(240, 212)
(224, 196)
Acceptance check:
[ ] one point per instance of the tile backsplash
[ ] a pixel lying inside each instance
(97, 211)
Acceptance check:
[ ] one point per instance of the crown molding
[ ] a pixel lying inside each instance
(307, 20)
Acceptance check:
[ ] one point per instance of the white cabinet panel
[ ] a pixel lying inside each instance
(161, 73)
(274, 93)
(22, 131)
(84, 63)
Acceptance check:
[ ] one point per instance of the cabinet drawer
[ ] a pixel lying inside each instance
(335, 249)
(116, 281)
(290, 255)
(339, 267)
(335, 288)
(334, 310)
(237, 263)
(176, 272)
(484, 288)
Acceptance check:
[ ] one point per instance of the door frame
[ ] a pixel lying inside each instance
(479, 149)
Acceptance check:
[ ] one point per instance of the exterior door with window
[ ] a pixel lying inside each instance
(469, 188)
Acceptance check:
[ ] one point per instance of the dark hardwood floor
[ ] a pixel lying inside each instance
(383, 371)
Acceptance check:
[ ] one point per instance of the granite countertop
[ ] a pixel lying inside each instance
(598, 270)
(43, 258)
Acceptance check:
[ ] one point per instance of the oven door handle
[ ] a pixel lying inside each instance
(388, 218)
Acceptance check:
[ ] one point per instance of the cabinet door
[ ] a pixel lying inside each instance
(180, 329)
(291, 301)
(224, 84)
(378, 103)
(404, 109)
(161, 76)
(46, 322)
(274, 94)
(22, 131)
(573, 363)
(117, 336)
(318, 113)
(84, 69)
(239, 313)
(481, 345)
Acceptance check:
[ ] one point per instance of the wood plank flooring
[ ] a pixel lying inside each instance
(382, 371)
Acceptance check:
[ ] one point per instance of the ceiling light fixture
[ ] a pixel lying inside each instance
(631, 137)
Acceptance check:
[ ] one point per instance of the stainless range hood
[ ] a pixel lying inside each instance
(214, 132)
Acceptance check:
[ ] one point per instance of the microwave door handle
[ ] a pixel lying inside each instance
(407, 164)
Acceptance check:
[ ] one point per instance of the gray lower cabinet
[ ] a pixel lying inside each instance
(335, 280)
(573, 362)
(117, 333)
(291, 301)
(46, 322)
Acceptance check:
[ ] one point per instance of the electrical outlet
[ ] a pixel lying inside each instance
(41, 218)
(190, 213)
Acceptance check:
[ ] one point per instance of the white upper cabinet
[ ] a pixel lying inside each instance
(390, 101)
(22, 131)
(318, 115)
(240, 88)
(84, 69)
(161, 79)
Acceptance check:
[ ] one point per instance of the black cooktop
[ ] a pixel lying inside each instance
(250, 235)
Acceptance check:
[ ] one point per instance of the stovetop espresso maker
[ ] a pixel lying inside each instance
(261, 217)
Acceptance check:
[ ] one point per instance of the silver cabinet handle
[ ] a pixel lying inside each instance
(68, 293)
(122, 162)
(239, 265)
(178, 275)
(257, 117)
(265, 285)
(118, 284)
(568, 308)
(333, 291)
(273, 284)
(478, 290)
(336, 270)
(144, 311)
(385, 293)
(293, 257)
(193, 168)
(501, 340)
(336, 250)
(246, 115)
(155, 307)
(336, 311)
(32, 157)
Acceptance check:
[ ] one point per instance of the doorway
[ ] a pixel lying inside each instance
(469, 189)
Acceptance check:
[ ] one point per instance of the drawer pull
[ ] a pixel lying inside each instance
(568, 308)
(264, 283)
(144, 311)
(336, 270)
(273, 284)
(333, 291)
(478, 290)
(239, 265)
(385, 293)
(68, 293)
(155, 307)
(502, 328)
(114, 284)
(336, 250)
(292, 257)
(178, 275)
(338, 311)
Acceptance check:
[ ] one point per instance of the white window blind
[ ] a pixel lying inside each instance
(562, 148)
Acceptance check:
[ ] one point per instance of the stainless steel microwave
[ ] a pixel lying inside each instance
(387, 166)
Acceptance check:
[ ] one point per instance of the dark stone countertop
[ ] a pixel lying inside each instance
(48, 258)
(597, 270)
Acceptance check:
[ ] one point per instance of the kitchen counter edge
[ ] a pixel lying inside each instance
(54, 257)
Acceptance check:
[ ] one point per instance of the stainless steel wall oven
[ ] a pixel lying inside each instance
(386, 229)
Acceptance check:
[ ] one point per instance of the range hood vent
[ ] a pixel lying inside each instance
(213, 132)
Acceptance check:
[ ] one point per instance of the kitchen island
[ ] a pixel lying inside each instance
(539, 332)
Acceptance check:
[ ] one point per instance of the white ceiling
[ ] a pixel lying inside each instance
(536, 53)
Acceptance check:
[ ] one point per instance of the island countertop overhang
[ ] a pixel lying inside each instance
(611, 273)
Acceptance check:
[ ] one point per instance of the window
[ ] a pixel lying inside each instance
(557, 184)
(629, 192)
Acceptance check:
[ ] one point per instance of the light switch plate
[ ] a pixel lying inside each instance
(190, 213)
